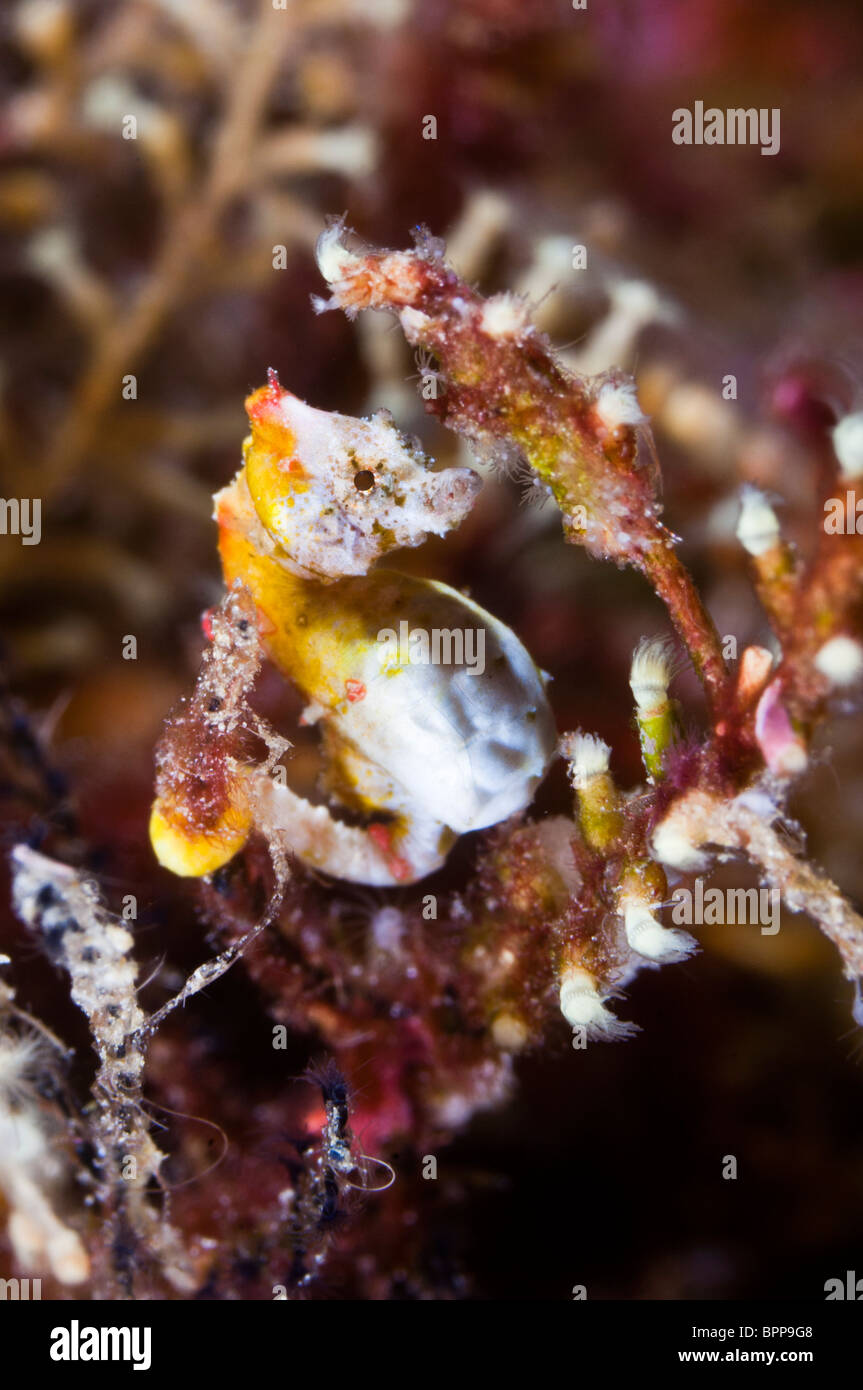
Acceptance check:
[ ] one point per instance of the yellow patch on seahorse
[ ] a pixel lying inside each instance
(274, 473)
(189, 852)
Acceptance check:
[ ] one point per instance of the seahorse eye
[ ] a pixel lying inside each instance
(364, 481)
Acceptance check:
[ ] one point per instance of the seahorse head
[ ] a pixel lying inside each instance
(335, 492)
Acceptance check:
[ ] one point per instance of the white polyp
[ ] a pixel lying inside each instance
(67, 1257)
(107, 99)
(639, 301)
(848, 445)
(350, 149)
(503, 316)
(387, 930)
(756, 664)
(617, 404)
(413, 322)
(840, 660)
(580, 1002)
(509, 1032)
(673, 847)
(53, 252)
(758, 526)
(454, 1111)
(651, 939)
(756, 800)
(650, 673)
(19, 1059)
(334, 260)
(37, 22)
(587, 756)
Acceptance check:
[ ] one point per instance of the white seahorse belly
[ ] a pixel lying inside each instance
(466, 747)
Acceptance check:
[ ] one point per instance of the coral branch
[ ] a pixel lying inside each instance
(700, 819)
(585, 438)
